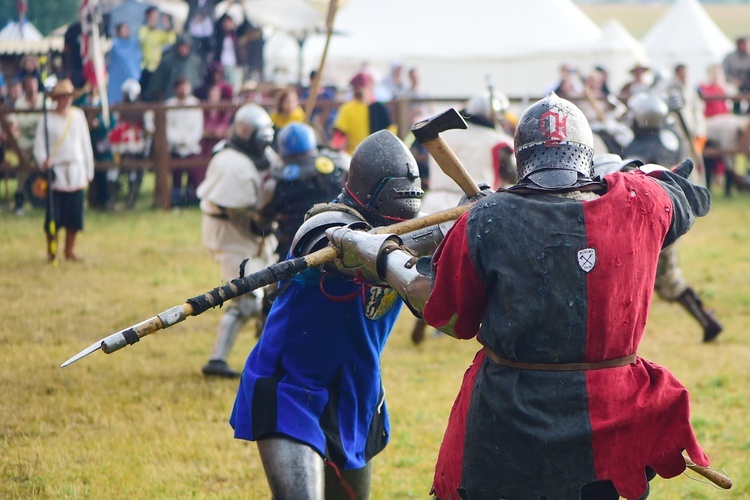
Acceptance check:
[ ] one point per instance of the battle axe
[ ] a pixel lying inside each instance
(428, 133)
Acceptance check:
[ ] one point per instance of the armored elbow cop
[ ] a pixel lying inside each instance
(381, 257)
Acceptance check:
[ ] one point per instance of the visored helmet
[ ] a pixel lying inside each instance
(554, 145)
(131, 90)
(296, 138)
(253, 128)
(384, 179)
(648, 110)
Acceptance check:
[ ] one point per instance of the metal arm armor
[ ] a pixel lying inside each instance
(409, 277)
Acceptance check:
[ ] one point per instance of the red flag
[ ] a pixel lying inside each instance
(23, 8)
(85, 18)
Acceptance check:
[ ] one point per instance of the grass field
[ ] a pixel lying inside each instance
(144, 423)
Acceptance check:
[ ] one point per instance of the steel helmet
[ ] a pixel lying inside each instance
(649, 111)
(131, 90)
(479, 105)
(384, 179)
(296, 138)
(253, 128)
(554, 144)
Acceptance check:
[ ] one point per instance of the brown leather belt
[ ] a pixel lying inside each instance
(560, 367)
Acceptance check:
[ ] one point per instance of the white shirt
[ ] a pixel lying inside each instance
(184, 126)
(71, 152)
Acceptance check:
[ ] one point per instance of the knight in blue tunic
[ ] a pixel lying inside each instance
(311, 394)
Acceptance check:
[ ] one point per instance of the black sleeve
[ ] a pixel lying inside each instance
(688, 200)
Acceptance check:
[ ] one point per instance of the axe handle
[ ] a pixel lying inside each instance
(714, 476)
(451, 165)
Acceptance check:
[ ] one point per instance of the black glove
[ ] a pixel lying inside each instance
(484, 190)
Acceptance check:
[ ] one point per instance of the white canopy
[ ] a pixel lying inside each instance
(24, 38)
(456, 44)
(687, 34)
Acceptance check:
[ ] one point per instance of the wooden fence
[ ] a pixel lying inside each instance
(161, 162)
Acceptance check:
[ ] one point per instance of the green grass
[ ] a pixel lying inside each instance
(144, 423)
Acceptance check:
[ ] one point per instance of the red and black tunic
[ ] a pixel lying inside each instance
(545, 279)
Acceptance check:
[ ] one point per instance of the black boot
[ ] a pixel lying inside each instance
(711, 326)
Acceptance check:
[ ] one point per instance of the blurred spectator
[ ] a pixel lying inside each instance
(637, 84)
(131, 137)
(103, 191)
(184, 134)
(181, 62)
(392, 87)
(248, 93)
(714, 87)
(326, 93)
(14, 92)
(152, 40)
(72, 60)
(215, 78)
(30, 67)
(27, 126)
(603, 75)
(737, 69)
(234, 46)
(71, 158)
(216, 122)
(570, 85)
(288, 109)
(3, 87)
(200, 26)
(124, 62)
(8, 157)
(360, 116)
(691, 110)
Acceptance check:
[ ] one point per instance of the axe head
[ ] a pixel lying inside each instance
(430, 129)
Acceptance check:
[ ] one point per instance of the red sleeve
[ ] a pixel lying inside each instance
(458, 298)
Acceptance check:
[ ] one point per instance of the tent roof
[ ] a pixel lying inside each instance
(16, 38)
(469, 29)
(616, 38)
(687, 31)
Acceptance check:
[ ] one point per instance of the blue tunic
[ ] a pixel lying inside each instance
(314, 376)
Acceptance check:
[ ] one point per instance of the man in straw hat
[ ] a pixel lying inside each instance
(63, 144)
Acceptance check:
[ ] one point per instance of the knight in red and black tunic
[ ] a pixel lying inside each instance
(547, 279)
(554, 277)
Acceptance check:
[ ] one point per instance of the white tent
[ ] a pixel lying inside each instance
(686, 34)
(24, 38)
(456, 44)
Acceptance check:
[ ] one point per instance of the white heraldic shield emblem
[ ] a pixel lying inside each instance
(587, 258)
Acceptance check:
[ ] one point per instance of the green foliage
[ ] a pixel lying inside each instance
(144, 423)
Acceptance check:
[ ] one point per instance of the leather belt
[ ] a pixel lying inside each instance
(560, 367)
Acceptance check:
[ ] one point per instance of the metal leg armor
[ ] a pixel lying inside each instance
(294, 470)
(350, 485)
(711, 326)
(236, 315)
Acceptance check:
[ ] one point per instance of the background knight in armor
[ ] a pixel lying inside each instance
(229, 195)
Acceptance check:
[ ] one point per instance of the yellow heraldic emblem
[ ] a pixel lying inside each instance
(324, 165)
(380, 300)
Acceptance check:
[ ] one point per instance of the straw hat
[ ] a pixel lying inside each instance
(639, 67)
(63, 88)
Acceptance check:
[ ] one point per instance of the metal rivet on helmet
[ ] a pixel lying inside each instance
(554, 143)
